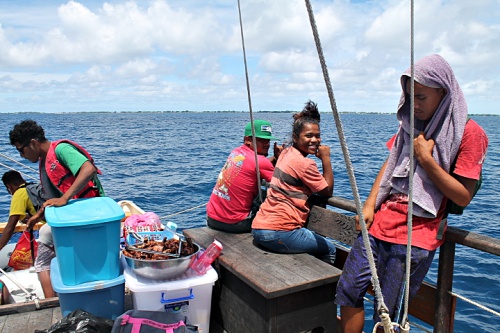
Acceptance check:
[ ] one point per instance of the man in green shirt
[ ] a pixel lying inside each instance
(67, 172)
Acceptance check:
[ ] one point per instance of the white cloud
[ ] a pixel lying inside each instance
(291, 61)
(138, 67)
(140, 55)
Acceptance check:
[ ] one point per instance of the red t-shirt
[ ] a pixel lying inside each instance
(236, 187)
(390, 221)
(285, 207)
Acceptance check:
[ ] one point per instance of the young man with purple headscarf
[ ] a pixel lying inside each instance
(442, 134)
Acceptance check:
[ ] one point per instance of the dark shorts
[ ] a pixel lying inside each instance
(390, 260)
(236, 228)
(242, 226)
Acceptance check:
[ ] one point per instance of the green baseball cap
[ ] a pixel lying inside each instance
(263, 129)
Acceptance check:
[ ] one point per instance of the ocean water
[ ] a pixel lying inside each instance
(167, 163)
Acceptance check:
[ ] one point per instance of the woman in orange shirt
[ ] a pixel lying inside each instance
(279, 224)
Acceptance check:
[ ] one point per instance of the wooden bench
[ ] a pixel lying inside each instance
(259, 291)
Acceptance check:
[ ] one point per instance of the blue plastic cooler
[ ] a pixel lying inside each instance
(104, 298)
(86, 235)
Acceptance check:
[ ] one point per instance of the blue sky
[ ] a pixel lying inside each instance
(66, 56)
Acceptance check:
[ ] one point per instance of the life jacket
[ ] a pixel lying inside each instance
(62, 178)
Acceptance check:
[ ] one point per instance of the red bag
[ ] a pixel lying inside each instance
(23, 256)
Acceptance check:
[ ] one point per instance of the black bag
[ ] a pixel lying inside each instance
(36, 194)
(143, 321)
(80, 321)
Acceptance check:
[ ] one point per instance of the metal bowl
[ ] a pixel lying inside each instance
(162, 269)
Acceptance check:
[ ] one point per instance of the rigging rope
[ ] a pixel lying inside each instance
(349, 167)
(13, 160)
(254, 140)
(475, 303)
(404, 320)
(183, 211)
(8, 167)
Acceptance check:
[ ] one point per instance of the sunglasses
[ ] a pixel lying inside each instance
(21, 149)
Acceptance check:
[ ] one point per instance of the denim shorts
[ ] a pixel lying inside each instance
(390, 260)
(300, 240)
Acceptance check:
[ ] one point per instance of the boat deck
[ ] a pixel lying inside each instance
(28, 322)
(23, 318)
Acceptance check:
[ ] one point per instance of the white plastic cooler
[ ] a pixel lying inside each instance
(190, 295)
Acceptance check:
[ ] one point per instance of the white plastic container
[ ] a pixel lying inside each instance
(189, 294)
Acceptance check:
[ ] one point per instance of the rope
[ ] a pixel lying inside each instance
(423, 329)
(28, 295)
(404, 319)
(13, 160)
(183, 211)
(254, 140)
(496, 313)
(349, 167)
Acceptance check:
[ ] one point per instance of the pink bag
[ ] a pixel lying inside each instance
(146, 222)
(142, 321)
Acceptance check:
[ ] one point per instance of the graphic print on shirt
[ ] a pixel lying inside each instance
(227, 175)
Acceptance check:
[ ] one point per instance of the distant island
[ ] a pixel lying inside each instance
(227, 111)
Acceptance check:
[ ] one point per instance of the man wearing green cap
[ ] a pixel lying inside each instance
(234, 200)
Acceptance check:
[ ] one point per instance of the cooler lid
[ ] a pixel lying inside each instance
(60, 287)
(84, 212)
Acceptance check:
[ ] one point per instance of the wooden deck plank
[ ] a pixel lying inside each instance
(284, 273)
(39, 320)
(16, 323)
(3, 319)
(23, 318)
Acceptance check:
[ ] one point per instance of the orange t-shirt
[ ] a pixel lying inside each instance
(295, 178)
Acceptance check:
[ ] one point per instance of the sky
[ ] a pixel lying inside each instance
(176, 55)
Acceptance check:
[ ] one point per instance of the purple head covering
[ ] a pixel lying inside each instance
(446, 127)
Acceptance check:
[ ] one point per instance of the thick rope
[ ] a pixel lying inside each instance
(423, 329)
(382, 308)
(404, 320)
(254, 140)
